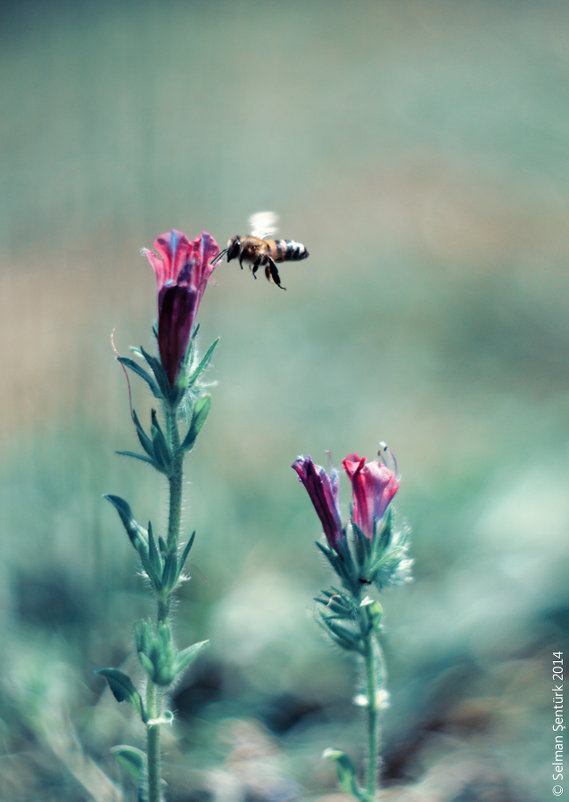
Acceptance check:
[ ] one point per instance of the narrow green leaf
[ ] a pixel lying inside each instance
(159, 373)
(360, 545)
(144, 439)
(136, 368)
(186, 551)
(148, 567)
(330, 555)
(343, 644)
(131, 759)
(349, 638)
(199, 415)
(187, 656)
(122, 688)
(134, 530)
(203, 363)
(385, 539)
(170, 573)
(153, 554)
(141, 457)
(159, 444)
(346, 771)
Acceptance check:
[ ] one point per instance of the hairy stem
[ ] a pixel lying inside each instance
(153, 742)
(175, 480)
(372, 718)
(153, 696)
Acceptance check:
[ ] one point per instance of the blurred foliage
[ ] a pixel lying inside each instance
(419, 150)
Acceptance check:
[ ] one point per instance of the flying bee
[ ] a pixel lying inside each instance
(258, 249)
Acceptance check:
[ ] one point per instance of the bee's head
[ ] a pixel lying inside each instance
(233, 248)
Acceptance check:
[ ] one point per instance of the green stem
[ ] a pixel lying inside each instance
(372, 720)
(153, 700)
(153, 742)
(175, 480)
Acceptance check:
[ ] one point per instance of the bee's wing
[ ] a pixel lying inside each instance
(263, 224)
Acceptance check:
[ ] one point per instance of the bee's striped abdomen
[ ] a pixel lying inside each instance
(287, 250)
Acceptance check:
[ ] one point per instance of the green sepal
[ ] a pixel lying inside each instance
(385, 557)
(134, 530)
(346, 771)
(187, 656)
(204, 362)
(135, 367)
(361, 547)
(342, 564)
(159, 445)
(122, 688)
(385, 538)
(199, 415)
(186, 551)
(131, 759)
(330, 554)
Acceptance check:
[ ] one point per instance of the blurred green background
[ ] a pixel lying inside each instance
(419, 150)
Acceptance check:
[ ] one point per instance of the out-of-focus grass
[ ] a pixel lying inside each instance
(419, 151)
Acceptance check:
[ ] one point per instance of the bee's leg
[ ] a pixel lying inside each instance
(241, 261)
(256, 265)
(271, 272)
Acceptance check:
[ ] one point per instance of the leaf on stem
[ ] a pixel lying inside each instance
(199, 415)
(134, 530)
(131, 759)
(135, 367)
(134, 455)
(170, 573)
(122, 688)
(346, 771)
(153, 555)
(203, 364)
(186, 551)
(159, 373)
(160, 447)
(187, 656)
(345, 638)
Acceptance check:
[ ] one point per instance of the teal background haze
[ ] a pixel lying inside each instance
(419, 150)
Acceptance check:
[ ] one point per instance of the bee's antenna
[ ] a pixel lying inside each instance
(219, 256)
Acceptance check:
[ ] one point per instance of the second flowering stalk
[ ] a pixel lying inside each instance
(370, 552)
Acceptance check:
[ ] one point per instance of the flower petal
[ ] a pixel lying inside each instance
(322, 489)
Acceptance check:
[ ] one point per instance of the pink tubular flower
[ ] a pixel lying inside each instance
(182, 270)
(373, 487)
(323, 490)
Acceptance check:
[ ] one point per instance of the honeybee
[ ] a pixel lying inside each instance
(258, 249)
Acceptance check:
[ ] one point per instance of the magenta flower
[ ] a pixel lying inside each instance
(323, 490)
(373, 487)
(182, 270)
